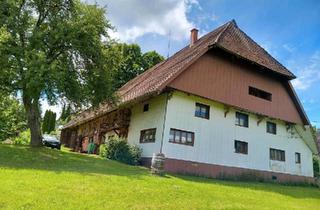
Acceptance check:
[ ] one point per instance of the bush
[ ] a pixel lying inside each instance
(135, 152)
(23, 138)
(102, 150)
(118, 149)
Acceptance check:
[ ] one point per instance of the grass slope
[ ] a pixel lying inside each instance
(50, 179)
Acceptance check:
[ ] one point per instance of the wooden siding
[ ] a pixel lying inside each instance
(117, 121)
(225, 79)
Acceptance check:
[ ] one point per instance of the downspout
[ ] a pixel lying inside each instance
(164, 121)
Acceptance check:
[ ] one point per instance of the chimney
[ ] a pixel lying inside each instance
(194, 36)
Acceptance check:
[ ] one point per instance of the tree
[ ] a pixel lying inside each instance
(12, 117)
(149, 59)
(131, 62)
(51, 49)
(49, 121)
(65, 113)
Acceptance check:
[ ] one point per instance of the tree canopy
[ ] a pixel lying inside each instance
(132, 62)
(66, 112)
(53, 50)
(50, 49)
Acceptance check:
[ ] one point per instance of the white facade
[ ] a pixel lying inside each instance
(214, 137)
(147, 120)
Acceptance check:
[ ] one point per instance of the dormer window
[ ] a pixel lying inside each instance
(260, 93)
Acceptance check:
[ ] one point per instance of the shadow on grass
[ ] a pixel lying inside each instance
(24, 157)
(302, 192)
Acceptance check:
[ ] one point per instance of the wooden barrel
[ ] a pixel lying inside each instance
(157, 164)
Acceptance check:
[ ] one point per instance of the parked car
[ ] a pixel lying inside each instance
(51, 141)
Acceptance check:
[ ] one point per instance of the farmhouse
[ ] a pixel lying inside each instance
(221, 106)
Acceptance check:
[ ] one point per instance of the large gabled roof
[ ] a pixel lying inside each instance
(227, 37)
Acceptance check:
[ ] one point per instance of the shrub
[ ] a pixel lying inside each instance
(23, 138)
(118, 149)
(102, 150)
(135, 152)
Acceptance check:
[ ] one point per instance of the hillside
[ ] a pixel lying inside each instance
(51, 179)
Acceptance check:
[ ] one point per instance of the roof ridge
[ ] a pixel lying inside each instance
(227, 26)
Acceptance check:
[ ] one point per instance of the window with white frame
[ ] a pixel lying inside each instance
(181, 137)
(271, 128)
(241, 147)
(242, 119)
(148, 135)
(277, 154)
(202, 111)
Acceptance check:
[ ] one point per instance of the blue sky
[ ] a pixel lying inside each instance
(288, 30)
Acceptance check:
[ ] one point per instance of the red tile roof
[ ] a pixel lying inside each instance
(153, 81)
(228, 37)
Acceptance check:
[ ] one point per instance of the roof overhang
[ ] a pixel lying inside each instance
(216, 45)
(307, 134)
(118, 106)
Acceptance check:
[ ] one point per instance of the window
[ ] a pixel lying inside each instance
(202, 111)
(242, 119)
(260, 93)
(271, 128)
(145, 107)
(241, 147)
(148, 135)
(298, 157)
(181, 137)
(276, 154)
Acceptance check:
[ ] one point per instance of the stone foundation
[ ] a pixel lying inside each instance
(226, 172)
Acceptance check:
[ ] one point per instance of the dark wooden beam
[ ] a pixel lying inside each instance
(260, 118)
(226, 110)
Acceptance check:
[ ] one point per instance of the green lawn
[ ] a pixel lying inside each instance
(50, 179)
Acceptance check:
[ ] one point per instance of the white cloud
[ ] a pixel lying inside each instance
(310, 74)
(55, 108)
(134, 18)
(289, 48)
(195, 3)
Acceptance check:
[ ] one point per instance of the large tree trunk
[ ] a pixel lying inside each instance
(33, 117)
